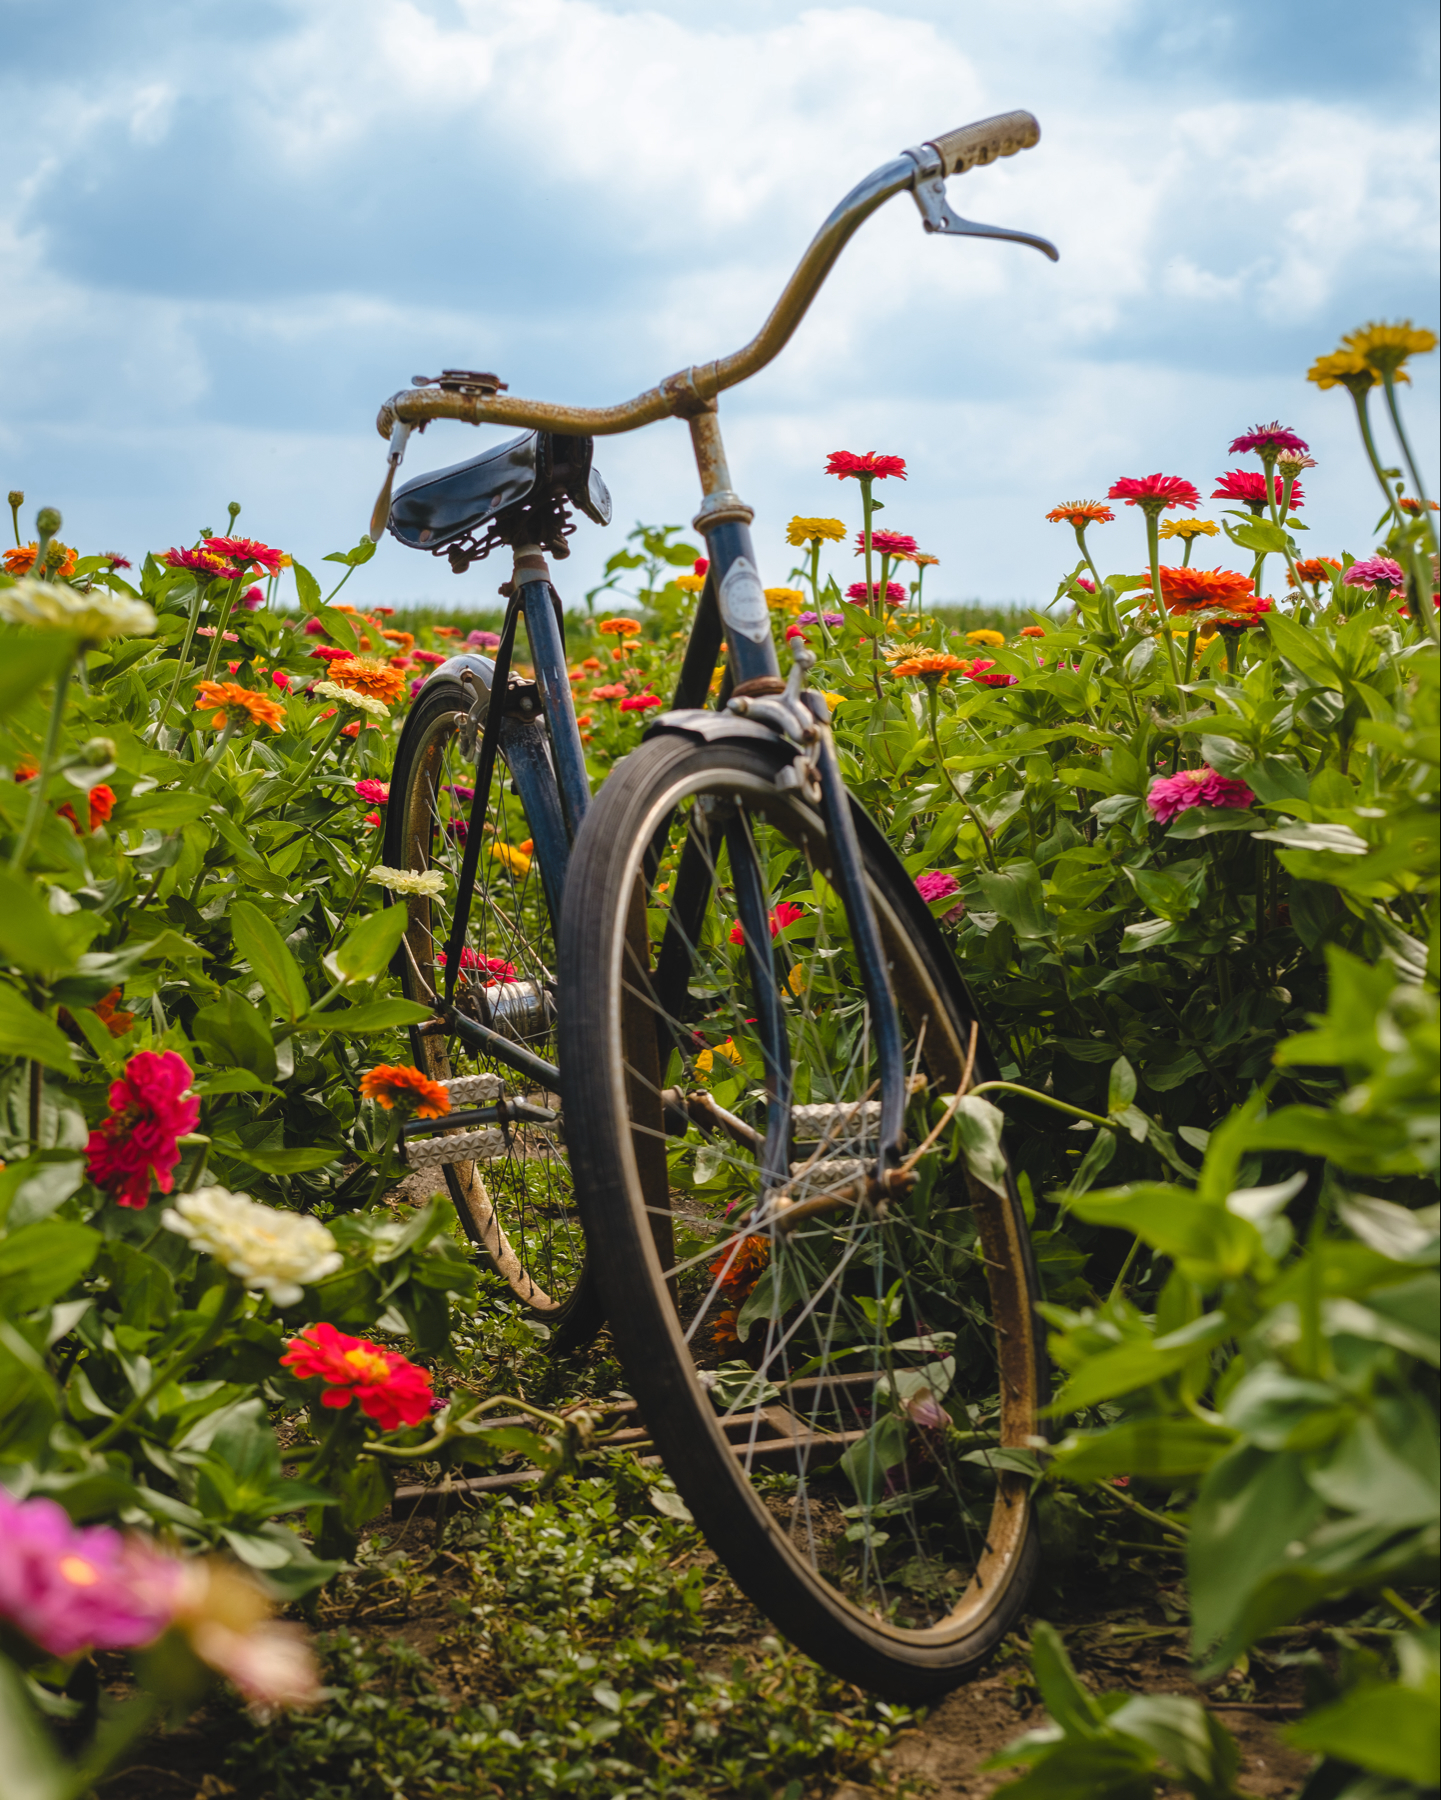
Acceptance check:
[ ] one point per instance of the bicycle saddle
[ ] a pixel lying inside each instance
(447, 504)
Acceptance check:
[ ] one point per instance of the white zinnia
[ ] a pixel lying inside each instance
(94, 616)
(280, 1253)
(409, 881)
(366, 703)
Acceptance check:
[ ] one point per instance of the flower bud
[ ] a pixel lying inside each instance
(233, 508)
(97, 751)
(17, 496)
(48, 521)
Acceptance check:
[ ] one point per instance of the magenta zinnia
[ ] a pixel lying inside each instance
(886, 543)
(1173, 794)
(1375, 572)
(1154, 493)
(870, 467)
(1268, 440)
(150, 1111)
(860, 593)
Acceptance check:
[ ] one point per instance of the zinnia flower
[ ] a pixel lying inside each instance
(869, 467)
(92, 617)
(1413, 506)
(926, 1412)
(831, 619)
(1344, 368)
(789, 600)
(396, 1084)
(739, 1265)
(1033, 631)
(60, 559)
(203, 562)
(276, 1252)
(814, 531)
(619, 627)
(1189, 528)
(1154, 493)
(1173, 794)
(723, 1333)
(932, 665)
(1291, 462)
(1189, 590)
(616, 690)
(243, 554)
(886, 543)
(986, 636)
(990, 676)
(431, 658)
(786, 913)
(511, 857)
(1081, 513)
(408, 881)
(859, 593)
(483, 640)
(1314, 569)
(377, 709)
(363, 675)
(472, 963)
(1375, 572)
(230, 700)
(940, 886)
(332, 653)
(691, 584)
(1243, 485)
(705, 1062)
(1268, 440)
(375, 793)
(390, 1388)
(1386, 347)
(641, 702)
(150, 1111)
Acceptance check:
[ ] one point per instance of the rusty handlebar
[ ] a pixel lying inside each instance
(694, 390)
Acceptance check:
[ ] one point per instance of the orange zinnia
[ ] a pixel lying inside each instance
(1314, 568)
(1191, 590)
(363, 676)
(932, 665)
(230, 700)
(21, 560)
(1033, 631)
(622, 627)
(1081, 512)
(392, 1084)
(406, 639)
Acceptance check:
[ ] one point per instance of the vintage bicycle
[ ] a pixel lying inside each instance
(703, 1042)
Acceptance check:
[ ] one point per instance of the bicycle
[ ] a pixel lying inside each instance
(719, 965)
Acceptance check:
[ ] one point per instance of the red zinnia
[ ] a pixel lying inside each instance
(1243, 485)
(149, 1113)
(1154, 493)
(245, 553)
(869, 467)
(199, 562)
(640, 703)
(1270, 439)
(786, 913)
(886, 543)
(391, 1389)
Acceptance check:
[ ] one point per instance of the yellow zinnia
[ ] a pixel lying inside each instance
(814, 531)
(832, 700)
(515, 860)
(790, 600)
(1344, 368)
(995, 638)
(691, 583)
(705, 1062)
(1386, 347)
(1189, 528)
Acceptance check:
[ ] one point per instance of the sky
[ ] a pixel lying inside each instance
(230, 228)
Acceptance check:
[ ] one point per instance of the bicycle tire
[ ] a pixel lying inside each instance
(614, 1035)
(516, 1206)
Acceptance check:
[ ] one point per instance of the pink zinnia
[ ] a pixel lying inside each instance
(281, 679)
(1376, 571)
(1155, 493)
(252, 599)
(68, 1589)
(886, 543)
(1225, 790)
(640, 703)
(314, 628)
(149, 1113)
(869, 467)
(1273, 438)
(473, 963)
(939, 886)
(483, 640)
(375, 792)
(199, 562)
(809, 618)
(245, 553)
(116, 561)
(859, 593)
(1173, 794)
(1250, 489)
(430, 657)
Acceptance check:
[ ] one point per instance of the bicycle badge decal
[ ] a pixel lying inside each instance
(743, 601)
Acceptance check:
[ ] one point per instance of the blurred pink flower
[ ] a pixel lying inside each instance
(1375, 572)
(938, 885)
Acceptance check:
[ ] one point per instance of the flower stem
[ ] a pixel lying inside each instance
(36, 812)
(1363, 421)
(169, 1369)
(1153, 545)
(1095, 572)
(183, 660)
(1395, 411)
(213, 659)
(382, 1183)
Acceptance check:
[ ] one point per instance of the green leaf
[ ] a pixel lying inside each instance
(269, 957)
(30, 934)
(1387, 1730)
(30, 662)
(40, 1261)
(339, 626)
(370, 945)
(866, 1463)
(1015, 894)
(164, 809)
(1206, 1239)
(27, 1751)
(276, 1162)
(1183, 1734)
(374, 1015)
(306, 587)
(1069, 1704)
(24, 1032)
(233, 1033)
(979, 1126)
(1155, 1449)
(1141, 1364)
(1122, 1087)
(355, 558)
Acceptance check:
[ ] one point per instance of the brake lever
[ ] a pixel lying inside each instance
(929, 192)
(380, 517)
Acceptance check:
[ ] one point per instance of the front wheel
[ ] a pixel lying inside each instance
(844, 1395)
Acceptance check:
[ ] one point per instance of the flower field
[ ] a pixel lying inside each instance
(1179, 826)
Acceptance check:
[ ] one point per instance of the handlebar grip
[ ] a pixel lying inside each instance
(984, 141)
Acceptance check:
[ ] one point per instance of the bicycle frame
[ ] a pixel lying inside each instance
(733, 605)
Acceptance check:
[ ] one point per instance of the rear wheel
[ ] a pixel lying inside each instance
(844, 1394)
(513, 1188)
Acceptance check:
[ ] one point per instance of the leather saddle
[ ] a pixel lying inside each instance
(448, 504)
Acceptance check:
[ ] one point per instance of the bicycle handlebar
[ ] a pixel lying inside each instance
(694, 390)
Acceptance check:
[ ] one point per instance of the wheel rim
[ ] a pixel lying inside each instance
(875, 1358)
(517, 1201)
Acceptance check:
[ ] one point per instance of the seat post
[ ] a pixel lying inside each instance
(725, 520)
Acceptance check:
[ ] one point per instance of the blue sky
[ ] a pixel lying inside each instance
(231, 227)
